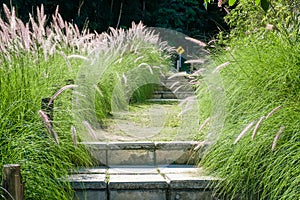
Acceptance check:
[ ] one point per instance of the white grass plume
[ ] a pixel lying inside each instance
(243, 132)
(276, 138)
(74, 136)
(77, 56)
(221, 67)
(179, 74)
(90, 129)
(202, 44)
(60, 91)
(257, 126)
(198, 61)
(48, 125)
(204, 124)
(272, 112)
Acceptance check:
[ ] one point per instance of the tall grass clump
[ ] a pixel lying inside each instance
(132, 49)
(257, 152)
(41, 59)
(35, 62)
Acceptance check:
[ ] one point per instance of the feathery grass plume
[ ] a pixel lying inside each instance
(77, 56)
(60, 91)
(276, 138)
(204, 124)
(74, 136)
(221, 67)
(124, 78)
(98, 90)
(178, 88)
(48, 125)
(198, 72)
(243, 132)
(67, 60)
(90, 129)
(201, 144)
(202, 44)
(272, 112)
(179, 74)
(199, 61)
(174, 84)
(257, 127)
(138, 58)
(186, 109)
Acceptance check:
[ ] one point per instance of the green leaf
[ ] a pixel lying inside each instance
(231, 2)
(257, 2)
(265, 5)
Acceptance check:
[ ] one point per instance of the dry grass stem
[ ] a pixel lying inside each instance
(257, 127)
(272, 112)
(244, 132)
(276, 138)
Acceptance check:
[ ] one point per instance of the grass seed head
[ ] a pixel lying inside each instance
(257, 127)
(276, 138)
(244, 132)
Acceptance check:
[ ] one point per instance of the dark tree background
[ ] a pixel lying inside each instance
(187, 16)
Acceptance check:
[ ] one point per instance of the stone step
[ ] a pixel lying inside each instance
(169, 86)
(143, 153)
(171, 95)
(164, 100)
(142, 182)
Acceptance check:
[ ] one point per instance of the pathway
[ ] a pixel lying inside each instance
(144, 156)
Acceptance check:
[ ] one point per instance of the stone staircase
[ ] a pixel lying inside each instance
(173, 88)
(142, 170)
(146, 170)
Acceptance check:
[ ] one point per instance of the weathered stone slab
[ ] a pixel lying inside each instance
(189, 186)
(132, 170)
(179, 169)
(137, 182)
(138, 194)
(96, 145)
(88, 186)
(189, 181)
(130, 157)
(128, 187)
(95, 170)
(142, 153)
(176, 157)
(87, 181)
(131, 146)
(175, 145)
(177, 152)
(89, 195)
(98, 151)
(191, 194)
